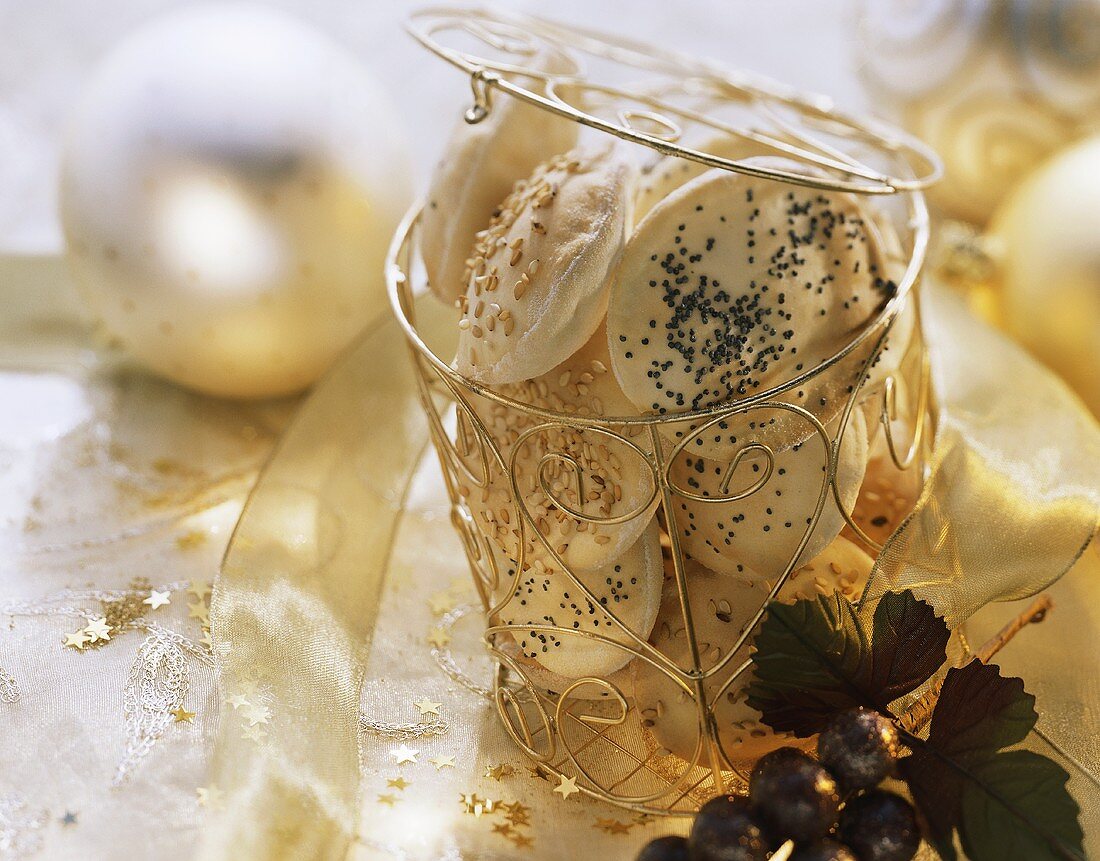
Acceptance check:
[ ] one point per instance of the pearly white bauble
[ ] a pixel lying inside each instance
(1045, 235)
(229, 185)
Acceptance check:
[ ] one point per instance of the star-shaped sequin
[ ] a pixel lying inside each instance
(518, 814)
(198, 610)
(210, 797)
(256, 713)
(499, 772)
(76, 641)
(156, 599)
(253, 733)
(473, 804)
(200, 589)
(521, 841)
(398, 783)
(182, 715)
(404, 754)
(98, 629)
(442, 762)
(238, 700)
(612, 826)
(69, 818)
(387, 798)
(567, 787)
(427, 707)
(439, 638)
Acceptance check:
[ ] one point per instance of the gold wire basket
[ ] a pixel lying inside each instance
(589, 729)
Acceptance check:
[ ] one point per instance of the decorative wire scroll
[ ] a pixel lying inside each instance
(839, 149)
(589, 728)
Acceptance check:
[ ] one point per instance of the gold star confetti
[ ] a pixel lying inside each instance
(567, 787)
(518, 814)
(441, 762)
(521, 841)
(200, 589)
(182, 715)
(238, 700)
(210, 796)
(642, 818)
(427, 707)
(253, 733)
(404, 754)
(198, 610)
(502, 828)
(205, 638)
(539, 772)
(612, 826)
(398, 783)
(499, 772)
(439, 638)
(387, 799)
(255, 714)
(98, 629)
(475, 805)
(156, 599)
(68, 819)
(77, 640)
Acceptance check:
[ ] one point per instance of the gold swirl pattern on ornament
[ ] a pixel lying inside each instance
(1058, 42)
(912, 48)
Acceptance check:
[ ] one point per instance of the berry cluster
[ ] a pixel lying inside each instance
(830, 807)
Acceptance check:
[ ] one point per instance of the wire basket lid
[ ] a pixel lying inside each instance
(819, 146)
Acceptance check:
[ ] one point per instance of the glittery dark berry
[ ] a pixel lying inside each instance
(880, 826)
(793, 796)
(671, 848)
(823, 850)
(725, 830)
(859, 747)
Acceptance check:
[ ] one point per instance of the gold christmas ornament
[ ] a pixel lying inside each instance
(1045, 236)
(229, 183)
(995, 86)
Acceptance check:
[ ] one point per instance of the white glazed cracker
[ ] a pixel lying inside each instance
(733, 284)
(763, 530)
(481, 163)
(614, 481)
(721, 607)
(543, 594)
(538, 284)
(658, 179)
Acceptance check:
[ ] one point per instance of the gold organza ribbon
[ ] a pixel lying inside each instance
(1013, 499)
(294, 609)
